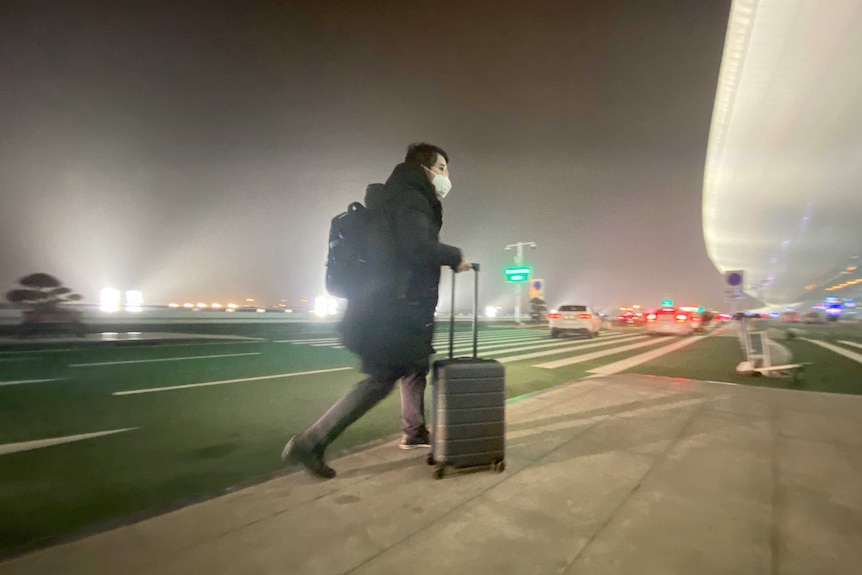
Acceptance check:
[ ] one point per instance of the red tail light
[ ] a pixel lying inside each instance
(585, 316)
(554, 315)
(650, 317)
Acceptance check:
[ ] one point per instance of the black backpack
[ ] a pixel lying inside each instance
(357, 263)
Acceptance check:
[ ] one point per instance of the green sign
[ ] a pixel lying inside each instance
(518, 274)
(667, 303)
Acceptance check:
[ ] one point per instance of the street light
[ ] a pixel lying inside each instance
(519, 261)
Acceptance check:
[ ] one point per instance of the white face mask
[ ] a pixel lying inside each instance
(441, 184)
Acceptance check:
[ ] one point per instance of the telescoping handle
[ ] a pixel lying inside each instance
(475, 315)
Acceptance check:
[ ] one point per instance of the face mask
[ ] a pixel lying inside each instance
(441, 184)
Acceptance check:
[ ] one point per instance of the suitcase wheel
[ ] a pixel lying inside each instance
(439, 472)
(499, 466)
(430, 459)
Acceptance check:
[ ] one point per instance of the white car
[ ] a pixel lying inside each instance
(672, 321)
(580, 319)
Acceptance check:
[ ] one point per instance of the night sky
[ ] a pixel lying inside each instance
(197, 150)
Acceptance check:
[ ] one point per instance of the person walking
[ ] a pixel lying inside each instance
(391, 329)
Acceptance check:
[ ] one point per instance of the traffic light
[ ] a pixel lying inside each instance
(517, 274)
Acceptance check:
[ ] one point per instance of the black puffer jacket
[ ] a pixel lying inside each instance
(392, 329)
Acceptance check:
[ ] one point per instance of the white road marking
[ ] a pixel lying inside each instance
(23, 381)
(532, 345)
(850, 343)
(630, 362)
(486, 344)
(39, 443)
(39, 350)
(226, 381)
(439, 340)
(839, 350)
(163, 359)
(558, 351)
(444, 337)
(307, 340)
(595, 355)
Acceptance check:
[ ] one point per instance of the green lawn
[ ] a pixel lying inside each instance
(716, 358)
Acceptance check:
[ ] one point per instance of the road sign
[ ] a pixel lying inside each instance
(734, 278)
(537, 289)
(517, 274)
(667, 303)
(734, 294)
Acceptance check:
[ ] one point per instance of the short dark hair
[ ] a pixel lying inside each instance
(424, 154)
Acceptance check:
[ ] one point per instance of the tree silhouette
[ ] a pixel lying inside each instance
(41, 292)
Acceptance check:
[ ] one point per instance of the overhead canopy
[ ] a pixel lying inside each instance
(782, 197)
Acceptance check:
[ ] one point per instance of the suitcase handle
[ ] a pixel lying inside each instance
(475, 267)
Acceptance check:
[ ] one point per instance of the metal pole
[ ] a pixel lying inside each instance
(519, 261)
(452, 320)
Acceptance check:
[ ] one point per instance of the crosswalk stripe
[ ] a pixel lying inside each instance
(101, 363)
(308, 340)
(484, 338)
(25, 381)
(642, 358)
(595, 355)
(227, 381)
(577, 347)
(8, 448)
(492, 343)
(850, 343)
(528, 346)
(839, 350)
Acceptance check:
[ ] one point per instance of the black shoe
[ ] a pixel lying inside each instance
(416, 441)
(294, 454)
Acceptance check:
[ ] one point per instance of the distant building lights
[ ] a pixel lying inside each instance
(134, 300)
(109, 300)
(324, 306)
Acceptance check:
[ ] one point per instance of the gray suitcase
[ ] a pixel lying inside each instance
(468, 406)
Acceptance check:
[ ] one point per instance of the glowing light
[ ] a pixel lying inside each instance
(201, 304)
(109, 300)
(490, 311)
(134, 300)
(231, 306)
(216, 306)
(187, 304)
(173, 305)
(324, 306)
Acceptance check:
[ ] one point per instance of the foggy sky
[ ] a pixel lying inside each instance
(198, 152)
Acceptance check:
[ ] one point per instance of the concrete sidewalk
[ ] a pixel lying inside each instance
(621, 474)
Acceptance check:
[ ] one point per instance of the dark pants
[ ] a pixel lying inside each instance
(413, 404)
(359, 400)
